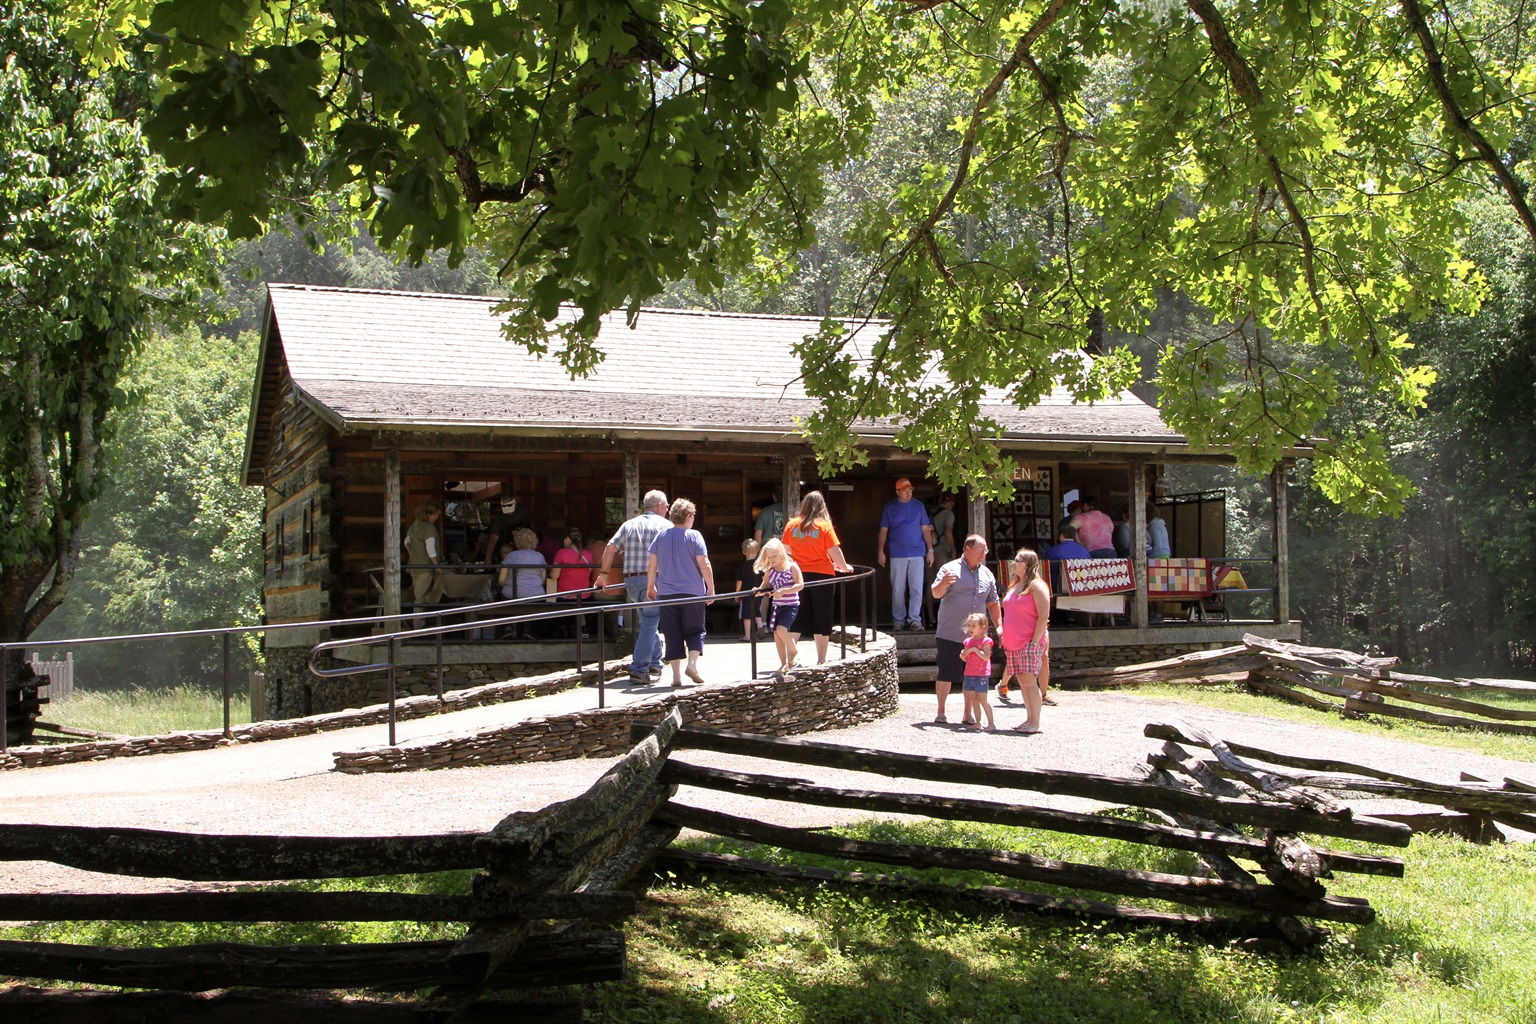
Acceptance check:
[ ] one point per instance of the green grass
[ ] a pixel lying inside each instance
(1454, 942)
(1493, 744)
(140, 712)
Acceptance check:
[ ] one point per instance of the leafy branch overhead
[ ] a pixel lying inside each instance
(1298, 170)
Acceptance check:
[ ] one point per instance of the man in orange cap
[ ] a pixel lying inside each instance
(905, 523)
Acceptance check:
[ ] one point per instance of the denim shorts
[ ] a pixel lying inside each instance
(784, 616)
(976, 684)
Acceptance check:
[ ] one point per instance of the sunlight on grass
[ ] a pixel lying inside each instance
(140, 712)
(1235, 698)
(1453, 942)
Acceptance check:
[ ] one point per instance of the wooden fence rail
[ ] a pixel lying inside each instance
(1209, 823)
(558, 865)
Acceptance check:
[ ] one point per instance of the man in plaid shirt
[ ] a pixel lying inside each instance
(634, 540)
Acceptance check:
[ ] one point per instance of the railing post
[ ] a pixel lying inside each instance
(863, 614)
(228, 685)
(392, 642)
(602, 657)
(842, 618)
(439, 639)
(753, 634)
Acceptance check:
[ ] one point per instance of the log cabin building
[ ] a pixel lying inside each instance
(369, 403)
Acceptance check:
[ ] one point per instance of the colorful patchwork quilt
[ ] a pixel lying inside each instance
(1084, 577)
(1179, 577)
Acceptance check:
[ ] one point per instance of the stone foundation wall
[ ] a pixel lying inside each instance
(406, 709)
(860, 689)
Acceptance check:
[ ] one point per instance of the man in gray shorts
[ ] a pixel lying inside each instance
(962, 586)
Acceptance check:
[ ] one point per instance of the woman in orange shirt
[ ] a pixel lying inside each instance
(813, 544)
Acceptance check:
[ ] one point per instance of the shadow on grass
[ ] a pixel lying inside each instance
(752, 950)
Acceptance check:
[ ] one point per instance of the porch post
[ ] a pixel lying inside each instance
(1139, 542)
(790, 488)
(631, 484)
(977, 521)
(1280, 503)
(392, 532)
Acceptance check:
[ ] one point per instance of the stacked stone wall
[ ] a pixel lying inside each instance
(206, 739)
(860, 689)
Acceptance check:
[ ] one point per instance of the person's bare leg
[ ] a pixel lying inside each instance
(822, 640)
(941, 690)
(1045, 676)
(677, 672)
(1029, 689)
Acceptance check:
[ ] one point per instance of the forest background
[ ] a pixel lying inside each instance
(1449, 584)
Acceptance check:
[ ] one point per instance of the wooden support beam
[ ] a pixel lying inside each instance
(1280, 506)
(309, 906)
(394, 532)
(1139, 613)
(1097, 787)
(223, 858)
(1204, 892)
(958, 809)
(632, 489)
(790, 487)
(76, 1006)
(565, 959)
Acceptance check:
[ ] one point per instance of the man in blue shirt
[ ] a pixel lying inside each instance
(1066, 547)
(906, 525)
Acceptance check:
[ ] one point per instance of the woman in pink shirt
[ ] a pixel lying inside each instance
(1026, 640)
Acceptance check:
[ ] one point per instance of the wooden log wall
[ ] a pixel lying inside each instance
(1274, 811)
(299, 574)
(561, 864)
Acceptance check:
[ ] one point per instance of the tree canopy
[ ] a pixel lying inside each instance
(1295, 168)
(87, 265)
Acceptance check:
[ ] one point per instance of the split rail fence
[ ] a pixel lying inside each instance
(1330, 680)
(546, 881)
(1230, 901)
(550, 884)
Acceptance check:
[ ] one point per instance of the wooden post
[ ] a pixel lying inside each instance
(977, 521)
(1139, 542)
(790, 489)
(1280, 503)
(393, 531)
(631, 486)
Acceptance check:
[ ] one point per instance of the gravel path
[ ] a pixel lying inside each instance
(279, 787)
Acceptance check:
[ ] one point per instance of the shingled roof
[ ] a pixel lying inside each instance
(405, 361)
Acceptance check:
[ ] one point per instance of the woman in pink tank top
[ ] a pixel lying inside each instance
(1026, 639)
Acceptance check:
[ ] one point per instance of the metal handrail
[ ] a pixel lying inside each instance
(392, 640)
(226, 632)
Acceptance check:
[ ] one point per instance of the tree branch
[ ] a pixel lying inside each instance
(1246, 85)
(1435, 67)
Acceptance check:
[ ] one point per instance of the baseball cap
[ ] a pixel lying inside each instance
(903, 484)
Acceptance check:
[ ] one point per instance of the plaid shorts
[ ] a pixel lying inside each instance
(1027, 660)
